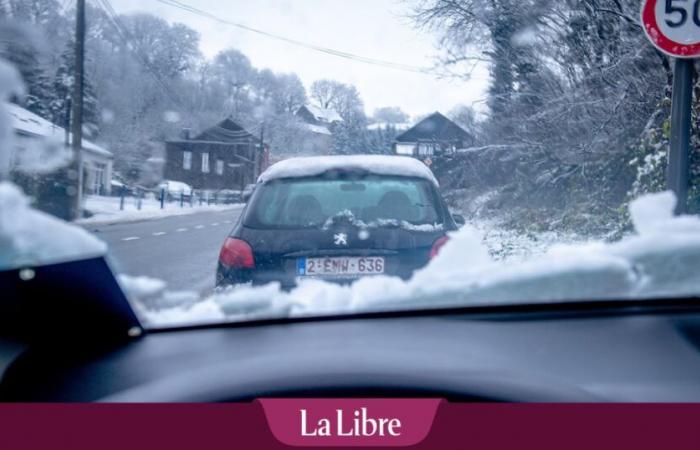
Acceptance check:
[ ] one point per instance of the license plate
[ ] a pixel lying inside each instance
(340, 266)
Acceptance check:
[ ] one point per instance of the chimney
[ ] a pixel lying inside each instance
(185, 133)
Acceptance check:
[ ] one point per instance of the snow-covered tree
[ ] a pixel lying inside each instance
(389, 115)
(62, 93)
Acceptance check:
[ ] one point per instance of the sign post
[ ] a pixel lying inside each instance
(673, 27)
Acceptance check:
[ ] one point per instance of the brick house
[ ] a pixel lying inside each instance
(225, 156)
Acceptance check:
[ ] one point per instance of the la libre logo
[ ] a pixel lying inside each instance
(356, 424)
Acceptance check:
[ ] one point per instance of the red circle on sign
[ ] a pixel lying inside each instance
(662, 42)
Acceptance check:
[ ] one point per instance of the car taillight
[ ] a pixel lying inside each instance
(437, 245)
(237, 254)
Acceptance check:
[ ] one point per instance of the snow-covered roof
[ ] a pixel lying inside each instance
(377, 164)
(318, 129)
(28, 123)
(386, 125)
(323, 114)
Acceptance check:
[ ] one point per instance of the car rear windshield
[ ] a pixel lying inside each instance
(363, 200)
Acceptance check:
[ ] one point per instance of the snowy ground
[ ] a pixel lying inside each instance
(514, 246)
(106, 209)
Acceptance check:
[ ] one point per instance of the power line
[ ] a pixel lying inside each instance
(326, 50)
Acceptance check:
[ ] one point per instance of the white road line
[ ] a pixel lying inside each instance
(215, 224)
(180, 230)
(159, 233)
(227, 221)
(199, 227)
(130, 238)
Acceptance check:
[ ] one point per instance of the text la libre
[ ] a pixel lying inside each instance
(359, 425)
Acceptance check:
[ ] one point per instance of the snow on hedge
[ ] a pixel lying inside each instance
(377, 164)
(661, 259)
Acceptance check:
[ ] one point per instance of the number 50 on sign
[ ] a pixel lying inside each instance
(673, 26)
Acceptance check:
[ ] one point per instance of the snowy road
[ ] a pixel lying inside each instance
(182, 250)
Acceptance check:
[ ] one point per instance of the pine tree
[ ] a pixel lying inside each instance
(37, 86)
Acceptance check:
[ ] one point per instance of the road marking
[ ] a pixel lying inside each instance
(227, 221)
(180, 230)
(130, 238)
(215, 224)
(159, 233)
(199, 227)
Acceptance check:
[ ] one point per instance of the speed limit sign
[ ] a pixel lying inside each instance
(673, 26)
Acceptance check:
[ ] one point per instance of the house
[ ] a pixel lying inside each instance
(31, 129)
(318, 124)
(432, 137)
(225, 156)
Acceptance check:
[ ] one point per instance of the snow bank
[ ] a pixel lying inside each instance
(661, 259)
(377, 164)
(30, 238)
(106, 210)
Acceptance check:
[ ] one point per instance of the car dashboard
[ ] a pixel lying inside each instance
(646, 351)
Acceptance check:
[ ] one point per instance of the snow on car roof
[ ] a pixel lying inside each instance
(377, 164)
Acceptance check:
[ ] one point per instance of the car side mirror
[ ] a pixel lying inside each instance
(459, 219)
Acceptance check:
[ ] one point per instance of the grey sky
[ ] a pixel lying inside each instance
(376, 29)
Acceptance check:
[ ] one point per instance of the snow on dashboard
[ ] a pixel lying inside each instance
(376, 164)
(660, 260)
(29, 237)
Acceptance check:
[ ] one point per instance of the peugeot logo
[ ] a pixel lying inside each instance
(340, 239)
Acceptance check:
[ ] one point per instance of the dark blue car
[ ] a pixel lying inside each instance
(337, 218)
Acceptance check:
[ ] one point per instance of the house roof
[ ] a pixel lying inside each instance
(225, 131)
(29, 124)
(322, 115)
(435, 127)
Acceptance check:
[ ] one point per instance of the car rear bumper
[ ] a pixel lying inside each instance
(229, 277)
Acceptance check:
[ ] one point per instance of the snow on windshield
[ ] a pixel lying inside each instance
(659, 259)
(377, 164)
(29, 237)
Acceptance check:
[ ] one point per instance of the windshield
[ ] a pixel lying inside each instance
(365, 201)
(237, 160)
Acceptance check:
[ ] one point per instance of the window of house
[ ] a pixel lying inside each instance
(205, 162)
(404, 149)
(187, 160)
(219, 167)
(425, 149)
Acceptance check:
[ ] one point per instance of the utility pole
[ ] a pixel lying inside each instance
(679, 153)
(77, 105)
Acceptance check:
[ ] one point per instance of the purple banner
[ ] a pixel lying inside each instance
(277, 424)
